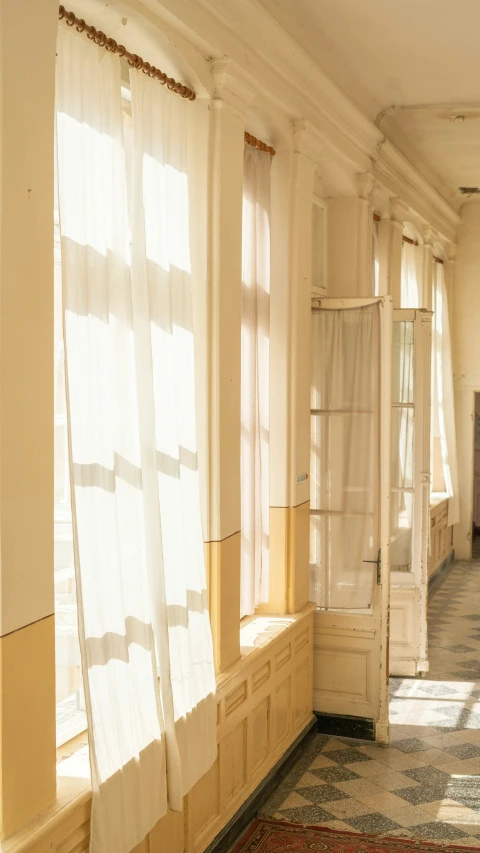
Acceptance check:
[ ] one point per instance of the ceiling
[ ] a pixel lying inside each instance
(411, 66)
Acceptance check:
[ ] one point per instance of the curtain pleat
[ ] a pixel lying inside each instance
(443, 413)
(163, 331)
(255, 380)
(127, 746)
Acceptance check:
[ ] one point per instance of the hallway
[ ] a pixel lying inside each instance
(426, 784)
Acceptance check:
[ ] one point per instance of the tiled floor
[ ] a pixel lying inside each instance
(426, 784)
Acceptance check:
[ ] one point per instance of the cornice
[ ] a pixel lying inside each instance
(286, 76)
(232, 86)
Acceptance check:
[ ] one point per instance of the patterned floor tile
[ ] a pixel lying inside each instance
(374, 823)
(323, 794)
(344, 809)
(464, 750)
(439, 831)
(309, 815)
(336, 774)
(411, 745)
(347, 756)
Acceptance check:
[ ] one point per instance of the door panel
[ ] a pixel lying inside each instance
(350, 507)
(410, 498)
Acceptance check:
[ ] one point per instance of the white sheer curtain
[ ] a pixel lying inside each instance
(344, 470)
(130, 394)
(443, 414)
(255, 380)
(409, 281)
(115, 619)
(162, 296)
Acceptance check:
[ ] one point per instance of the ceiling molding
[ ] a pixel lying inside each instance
(288, 78)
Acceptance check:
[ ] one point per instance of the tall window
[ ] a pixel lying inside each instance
(255, 380)
(409, 285)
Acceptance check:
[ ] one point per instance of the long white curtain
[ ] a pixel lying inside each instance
(409, 281)
(255, 380)
(344, 469)
(130, 389)
(127, 747)
(443, 415)
(162, 295)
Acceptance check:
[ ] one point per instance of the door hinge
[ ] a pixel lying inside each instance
(378, 563)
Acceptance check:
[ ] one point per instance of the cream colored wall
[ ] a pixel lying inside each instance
(466, 362)
(27, 724)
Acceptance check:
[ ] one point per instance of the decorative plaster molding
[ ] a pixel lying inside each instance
(398, 210)
(232, 87)
(306, 139)
(292, 82)
(366, 185)
(429, 236)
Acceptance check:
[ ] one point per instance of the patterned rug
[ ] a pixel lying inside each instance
(267, 836)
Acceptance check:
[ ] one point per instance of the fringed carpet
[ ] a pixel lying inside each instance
(267, 836)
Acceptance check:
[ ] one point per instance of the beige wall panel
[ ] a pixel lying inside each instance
(441, 536)
(233, 764)
(299, 558)
(27, 676)
(301, 691)
(168, 834)
(278, 569)
(260, 735)
(266, 688)
(282, 712)
(404, 641)
(203, 803)
(223, 573)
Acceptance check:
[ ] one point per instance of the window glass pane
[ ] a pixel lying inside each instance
(71, 717)
(402, 358)
(401, 531)
(402, 447)
(317, 246)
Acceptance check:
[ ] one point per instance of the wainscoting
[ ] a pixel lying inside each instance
(441, 535)
(264, 704)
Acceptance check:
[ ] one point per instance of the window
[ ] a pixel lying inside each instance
(71, 719)
(318, 247)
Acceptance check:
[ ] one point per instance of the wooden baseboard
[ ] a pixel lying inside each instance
(248, 811)
(344, 726)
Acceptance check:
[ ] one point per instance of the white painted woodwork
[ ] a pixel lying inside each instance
(350, 675)
(441, 534)
(409, 589)
(264, 704)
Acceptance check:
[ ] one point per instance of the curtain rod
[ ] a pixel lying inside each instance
(257, 143)
(438, 260)
(377, 217)
(133, 59)
(409, 240)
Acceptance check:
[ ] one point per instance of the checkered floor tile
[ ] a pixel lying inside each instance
(426, 784)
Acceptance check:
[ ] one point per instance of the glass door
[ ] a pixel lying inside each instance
(349, 505)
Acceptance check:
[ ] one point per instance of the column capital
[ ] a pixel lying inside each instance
(365, 185)
(429, 236)
(451, 252)
(232, 87)
(306, 139)
(398, 210)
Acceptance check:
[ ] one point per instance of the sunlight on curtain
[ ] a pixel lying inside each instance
(255, 380)
(127, 750)
(401, 508)
(164, 349)
(409, 283)
(443, 414)
(344, 470)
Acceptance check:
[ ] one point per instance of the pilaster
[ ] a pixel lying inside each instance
(350, 224)
(290, 322)
(425, 292)
(232, 96)
(27, 641)
(390, 234)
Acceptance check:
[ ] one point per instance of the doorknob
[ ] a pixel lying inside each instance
(378, 563)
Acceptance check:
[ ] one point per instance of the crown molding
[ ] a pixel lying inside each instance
(285, 76)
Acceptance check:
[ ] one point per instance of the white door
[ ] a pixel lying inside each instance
(410, 498)
(350, 517)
